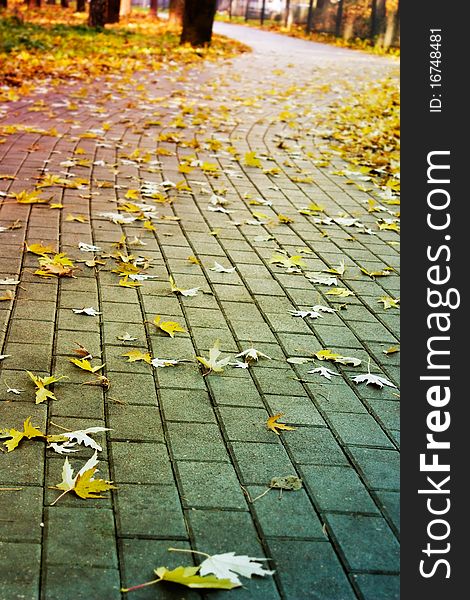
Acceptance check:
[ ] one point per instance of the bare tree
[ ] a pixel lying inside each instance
(198, 20)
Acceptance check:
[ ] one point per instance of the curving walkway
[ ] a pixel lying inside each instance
(188, 453)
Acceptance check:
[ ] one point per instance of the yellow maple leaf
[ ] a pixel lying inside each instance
(79, 218)
(85, 365)
(42, 393)
(251, 160)
(29, 431)
(7, 295)
(124, 282)
(83, 483)
(87, 487)
(273, 425)
(40, 249)
(132, 195)
(284, 219)
(25, 197)
(137, 355)
(170, 327)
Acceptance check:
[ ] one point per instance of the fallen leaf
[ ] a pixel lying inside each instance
(16, 436)
(7, 295)
(389, 302)
(88, 247)
(85, 365)
(273, 425)
(183, 292)
(41, 383)
(323, 371)
(288, 482)
(77, 218)
(170, 327)
(213, 364)
(83, 483)
(321, 278)
(126, 337)
(218, 268)
(137, 355)
(252, 354)
(40, 249)
(230, 566)
(374, 274)
(64, 442)
(90, 311)
(391, 350)
(370, 379)
(339, 291)
(164, 362)
(188, 577)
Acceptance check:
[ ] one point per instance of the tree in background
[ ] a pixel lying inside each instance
(81, 5)
(3, 3)
(176, 12)
(112, 14)
(154, 8)
(198, 19)
(97, 15)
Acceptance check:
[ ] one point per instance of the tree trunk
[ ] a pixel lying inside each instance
(50, 1)
(308, 27)
(3, 3)
(287, 13)
(97, 15)
(154, 8)
(176, 12)
(198, 19)
(377, 18)
(319, 15)
(81, 5)
(339, 18)
(64, 3)
(125, 8)
(112, 14)
(392, 30)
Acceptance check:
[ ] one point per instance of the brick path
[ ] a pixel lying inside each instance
(182, 446)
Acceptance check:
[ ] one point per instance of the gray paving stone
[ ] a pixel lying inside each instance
(210, 485)
(80, 536)
(149, 511)
(367, 542)
(324, 578)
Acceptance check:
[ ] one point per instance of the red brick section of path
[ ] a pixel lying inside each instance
(188, 452)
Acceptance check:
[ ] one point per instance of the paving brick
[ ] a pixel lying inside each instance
(139, 558)
(324, 577)
(186, 405)
(80, 536)
(359, 429)
(337, 489)
(378, 587)
(196, 441)
(20, 582)
(259, 463)
(105, 582)
(367, 542)
(149, 511)
(140, 463)
(210, 485)
(380, 467)
(23, 512)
